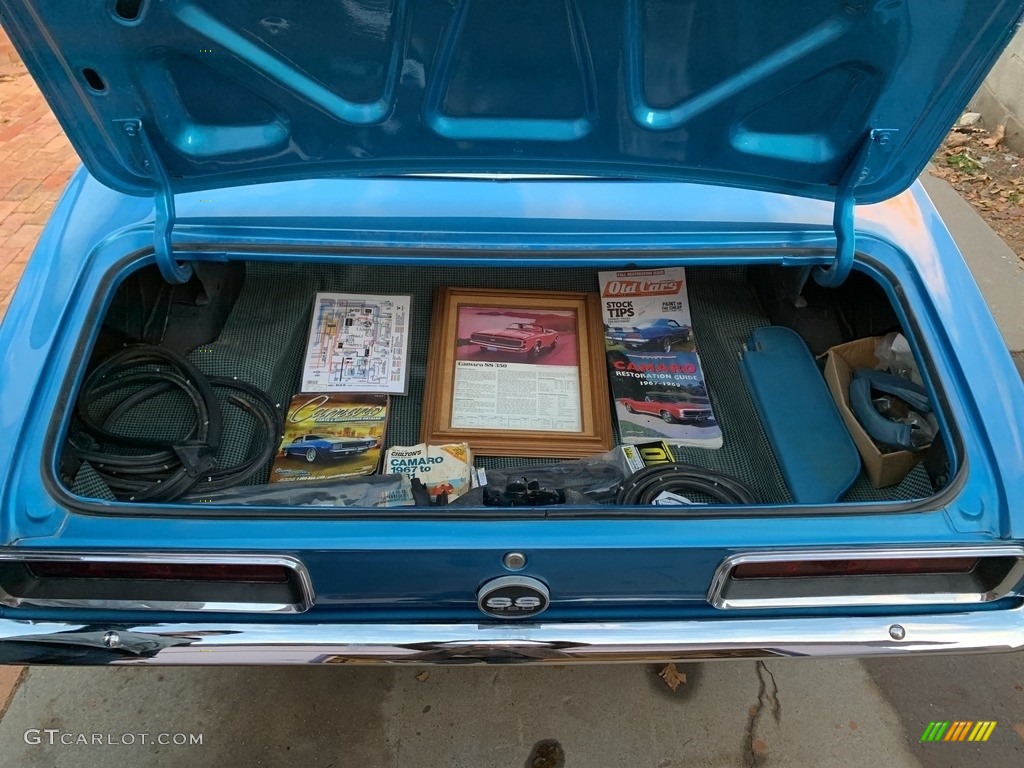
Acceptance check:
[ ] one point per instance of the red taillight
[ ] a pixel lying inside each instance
(223, 572)
(783, 569)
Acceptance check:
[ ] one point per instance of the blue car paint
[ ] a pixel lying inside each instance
(324, 448)
(649, 335)
(627, 567)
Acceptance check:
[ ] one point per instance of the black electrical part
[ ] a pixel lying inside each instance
(681, 479)
(523, 493)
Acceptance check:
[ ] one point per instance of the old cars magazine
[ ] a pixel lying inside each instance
(655, 374)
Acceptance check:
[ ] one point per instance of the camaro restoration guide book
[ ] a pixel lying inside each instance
(358, 343)
(331, 436)
(653, 367)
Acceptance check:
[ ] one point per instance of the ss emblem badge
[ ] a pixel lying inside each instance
(513, 597)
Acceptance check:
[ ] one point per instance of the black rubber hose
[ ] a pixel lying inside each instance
(645, 486)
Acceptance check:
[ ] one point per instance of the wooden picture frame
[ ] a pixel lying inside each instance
(509, 393)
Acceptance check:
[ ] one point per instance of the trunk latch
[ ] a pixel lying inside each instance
(145, 157)
(869, 161)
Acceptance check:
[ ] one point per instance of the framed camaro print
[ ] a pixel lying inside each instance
(517, 373)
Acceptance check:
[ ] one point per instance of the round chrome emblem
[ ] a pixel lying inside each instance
(513, 597)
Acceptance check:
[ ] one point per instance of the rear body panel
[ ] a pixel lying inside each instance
(426, 567)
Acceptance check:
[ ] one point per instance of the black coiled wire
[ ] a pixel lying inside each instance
(645, 486)
(155, 469)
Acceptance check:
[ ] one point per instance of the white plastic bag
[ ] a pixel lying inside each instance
(894, 355)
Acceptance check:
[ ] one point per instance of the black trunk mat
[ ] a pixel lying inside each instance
(264, 340)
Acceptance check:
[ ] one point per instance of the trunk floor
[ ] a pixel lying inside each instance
(264, 341)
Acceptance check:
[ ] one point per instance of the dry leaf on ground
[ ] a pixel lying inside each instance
(996, 138)
(989, 175)
(423, 676)
(672, 676)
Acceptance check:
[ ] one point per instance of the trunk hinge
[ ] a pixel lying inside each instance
(869, 161)
(146, 159)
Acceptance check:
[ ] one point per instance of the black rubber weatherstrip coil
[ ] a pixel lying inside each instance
(682, 479)
(154, 469)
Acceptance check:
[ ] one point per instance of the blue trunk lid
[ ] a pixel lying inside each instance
(778, 95)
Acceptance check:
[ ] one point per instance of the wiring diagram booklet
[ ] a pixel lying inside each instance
(358, 343)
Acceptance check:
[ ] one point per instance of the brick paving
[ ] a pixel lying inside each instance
(35, 163)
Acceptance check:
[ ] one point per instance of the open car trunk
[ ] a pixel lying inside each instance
(840, 102)
(251, 321)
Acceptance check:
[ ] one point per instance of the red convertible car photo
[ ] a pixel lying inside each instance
(517, 337)
(671, 408)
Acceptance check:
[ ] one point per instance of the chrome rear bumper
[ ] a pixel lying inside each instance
(24, 642)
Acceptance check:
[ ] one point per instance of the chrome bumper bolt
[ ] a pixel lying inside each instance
(896, 632)
(111, 639)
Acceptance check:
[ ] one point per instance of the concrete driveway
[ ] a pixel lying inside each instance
(785, 713)
(736, 713)
(792, 713)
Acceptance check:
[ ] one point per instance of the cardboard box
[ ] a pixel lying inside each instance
(882, 468)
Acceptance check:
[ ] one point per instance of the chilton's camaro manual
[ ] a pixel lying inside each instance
(443, 469)
(653, 366)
